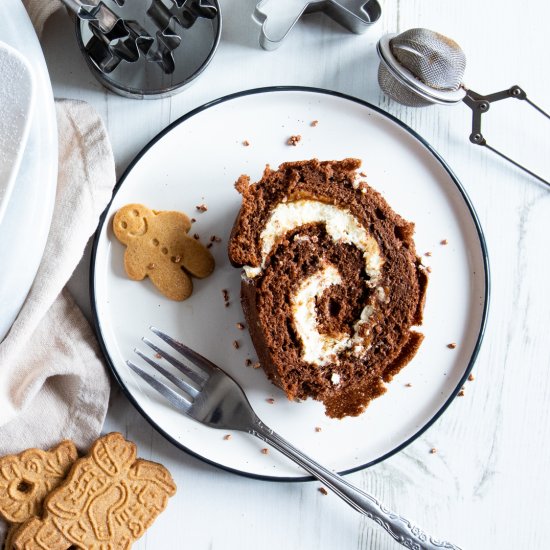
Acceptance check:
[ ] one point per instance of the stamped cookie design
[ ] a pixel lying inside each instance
(26, 479)
(159, 247)
(108, 501)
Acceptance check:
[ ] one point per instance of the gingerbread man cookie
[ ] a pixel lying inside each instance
(159, 247)
(26, 478)
(107, 501)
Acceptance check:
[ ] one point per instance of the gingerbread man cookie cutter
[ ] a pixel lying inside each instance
(278, 17)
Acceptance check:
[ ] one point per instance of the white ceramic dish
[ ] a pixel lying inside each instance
(197, 160)
(28, 205)
(16, 109)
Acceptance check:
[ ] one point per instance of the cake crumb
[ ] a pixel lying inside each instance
(433, 450)
(323, 491)
(209, 245)
(236, 344)
(227, 437)
(248, 362)
(270, 400)
(362, 174)
(196, 236)
(294, 140)
(314, 123)
(428, 269)
(246, 143)
(317, 429)
(151, 266)
(461, 393)
(227, 304)
(471, 377)
(408, 385)
(452, 345)
(158, 355)
(444, 242)
(176, 259)
(256, 365)
(202, 207)
(225, 294)
(265, 451)
(215, 239)
(193, 220)
(240, 326)
(427, 253)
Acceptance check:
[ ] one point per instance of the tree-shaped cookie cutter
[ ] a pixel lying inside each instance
(278, 17)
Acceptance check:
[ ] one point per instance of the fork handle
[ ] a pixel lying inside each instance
(400, 528)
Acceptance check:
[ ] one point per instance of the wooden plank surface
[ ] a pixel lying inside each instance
(488, 485)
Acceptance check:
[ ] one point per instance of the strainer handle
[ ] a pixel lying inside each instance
(480, 104)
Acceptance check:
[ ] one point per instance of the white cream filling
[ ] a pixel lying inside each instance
(340, 224)
(320, 349)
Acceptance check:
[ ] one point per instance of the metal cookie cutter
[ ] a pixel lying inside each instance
(278, 17)
(420, 67)
(150, 48)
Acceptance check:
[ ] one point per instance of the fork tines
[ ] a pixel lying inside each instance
(195, 377)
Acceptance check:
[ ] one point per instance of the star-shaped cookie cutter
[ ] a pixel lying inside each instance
(278, 17)
(181, 13)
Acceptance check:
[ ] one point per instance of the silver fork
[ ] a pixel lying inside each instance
(210, 396)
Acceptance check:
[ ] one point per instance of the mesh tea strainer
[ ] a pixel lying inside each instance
(420, 67)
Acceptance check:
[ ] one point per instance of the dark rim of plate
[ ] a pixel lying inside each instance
(482, 242)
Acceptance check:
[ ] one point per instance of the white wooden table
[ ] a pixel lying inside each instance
(487, 487)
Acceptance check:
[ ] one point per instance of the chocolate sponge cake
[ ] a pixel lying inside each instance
(331, 282)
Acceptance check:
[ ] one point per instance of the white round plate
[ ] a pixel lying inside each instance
(196, 161)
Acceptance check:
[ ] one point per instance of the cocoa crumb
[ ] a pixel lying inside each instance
(248, 362)
(270, 400)
(196, 236)
(433, 450)
(314, 123)
(444, 242)
(214, 239)
(240, 326)
(452, 345)
(323, 491)
(294, 140)
(246, 143)
(225, 294)
(471, 378)
(209, 245)
(202, 207)
(236, 344)
(317, 429)
(265, 451)
(461, 393)
(227, 437)
(193, 220)
(227, 304)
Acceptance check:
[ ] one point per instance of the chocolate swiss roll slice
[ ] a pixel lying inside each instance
(331, 282)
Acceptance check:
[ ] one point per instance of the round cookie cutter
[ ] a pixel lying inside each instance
(145, 79)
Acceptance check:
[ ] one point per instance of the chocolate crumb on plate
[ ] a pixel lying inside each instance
(227, 437)
(471, 377)
(314, 123)
(209, 245)
(202, 207)
(196, 236)
(317, 429)
(427, 253)
(236, 344)
(452, 345)
(240, 326)
(433, 450)
(256, 366)
(246, 143)
(294, 140)
(265, 451)
(323, 491)
(408, 385)
(461, 393)
(270, 400)
(444, 242)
